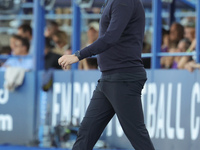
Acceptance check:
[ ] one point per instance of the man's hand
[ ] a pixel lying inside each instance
(66, 60)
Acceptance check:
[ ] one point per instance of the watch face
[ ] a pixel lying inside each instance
(78, 54)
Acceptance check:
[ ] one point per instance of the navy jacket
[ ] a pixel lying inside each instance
(121, 34)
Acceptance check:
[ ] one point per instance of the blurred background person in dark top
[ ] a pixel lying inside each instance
(92, 35)
(51, 58)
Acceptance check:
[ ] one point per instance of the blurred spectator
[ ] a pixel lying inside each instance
(176, 33)
(5, 50)
(51, 28)
(166, 61)
(13, 40)
(175, 61)
(21, 49)
(51, 58)
(25, 31)
(189, 31)
(183, 45)
(51, 63)
(92, 34)
(185, 61)
(165, 40)
(61, 46)
(190, 62)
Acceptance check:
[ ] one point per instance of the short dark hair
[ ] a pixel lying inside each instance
(15, 36)
(26, 28)
(24, 41)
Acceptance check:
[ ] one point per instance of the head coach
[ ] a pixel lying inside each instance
(118, 51)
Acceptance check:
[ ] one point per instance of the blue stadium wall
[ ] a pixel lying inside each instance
(171, 102)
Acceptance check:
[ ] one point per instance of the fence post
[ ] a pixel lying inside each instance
(198, 31)
(38, 55)
(157, 27)
(38, 35)
(76, 40)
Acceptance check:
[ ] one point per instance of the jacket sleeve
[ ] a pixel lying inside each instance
(121, 13)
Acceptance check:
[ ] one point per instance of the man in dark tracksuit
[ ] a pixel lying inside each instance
(118, 91)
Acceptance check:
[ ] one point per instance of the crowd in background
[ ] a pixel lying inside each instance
(179, 38)
(57, 43)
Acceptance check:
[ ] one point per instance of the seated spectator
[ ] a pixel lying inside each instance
(165, 40)
(167, 61)
(21, 49)
(183, 45)
(51, 28)
(5, 50)
(92, 34)
(175, 61)
(25, 31)
(61, 43)
(12, 41)
(176, 33)
(184, 61)
(189, 31)
(51, 58)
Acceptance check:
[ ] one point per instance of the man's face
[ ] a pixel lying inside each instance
(189, 33)
(19, 49)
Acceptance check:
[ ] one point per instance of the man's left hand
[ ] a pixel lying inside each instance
(66, 60)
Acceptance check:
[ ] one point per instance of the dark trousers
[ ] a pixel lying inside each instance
(122, 98)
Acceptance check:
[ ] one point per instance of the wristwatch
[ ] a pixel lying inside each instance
(77, 54)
